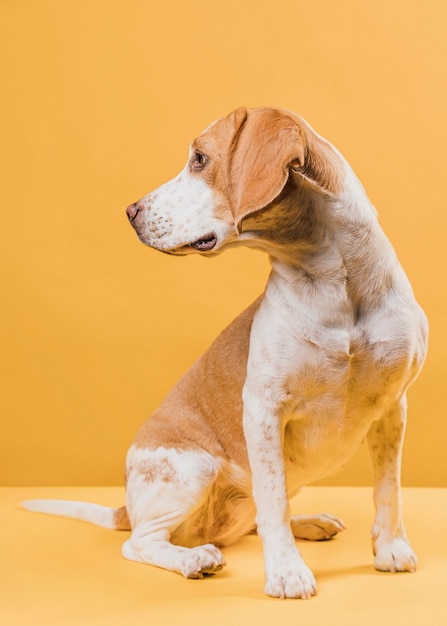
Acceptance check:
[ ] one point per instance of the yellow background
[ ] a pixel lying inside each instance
(100, 100)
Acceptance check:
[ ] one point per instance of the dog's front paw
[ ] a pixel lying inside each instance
(202, 561)
(395, 555)
(291, 582)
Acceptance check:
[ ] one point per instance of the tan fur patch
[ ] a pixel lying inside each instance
(210, 389)
(121, 519)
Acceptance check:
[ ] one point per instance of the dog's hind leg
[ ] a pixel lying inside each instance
(318, 527)
(154, 548)
(392, 550)
(166, 487)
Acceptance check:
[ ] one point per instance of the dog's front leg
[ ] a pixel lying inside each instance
(287, 576)
(392, 550)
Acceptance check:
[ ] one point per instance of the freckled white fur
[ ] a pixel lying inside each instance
(333, 345)
(180, 212)
(177, 483)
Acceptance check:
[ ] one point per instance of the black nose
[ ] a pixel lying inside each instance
(132, 211)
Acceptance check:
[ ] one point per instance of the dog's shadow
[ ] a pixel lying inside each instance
(341, 572)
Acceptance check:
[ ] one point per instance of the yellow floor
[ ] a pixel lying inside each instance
(63, 572)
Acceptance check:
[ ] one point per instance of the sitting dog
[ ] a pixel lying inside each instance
(287, 393)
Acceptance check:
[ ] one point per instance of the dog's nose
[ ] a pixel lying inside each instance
(132, 211)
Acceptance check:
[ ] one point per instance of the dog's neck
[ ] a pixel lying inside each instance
(316, 238)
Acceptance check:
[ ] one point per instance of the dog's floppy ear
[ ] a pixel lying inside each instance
(269, 144)
(264, 146)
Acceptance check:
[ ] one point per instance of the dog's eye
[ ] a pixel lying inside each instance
(198, 161)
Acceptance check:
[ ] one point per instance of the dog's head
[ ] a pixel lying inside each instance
(239, 169)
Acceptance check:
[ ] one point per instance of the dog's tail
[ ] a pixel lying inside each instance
(107, 517)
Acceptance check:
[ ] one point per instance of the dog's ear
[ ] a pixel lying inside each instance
(323, 168)
(267, 147)
(264, 146)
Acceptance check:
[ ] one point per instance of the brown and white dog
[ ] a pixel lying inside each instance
(286, 394)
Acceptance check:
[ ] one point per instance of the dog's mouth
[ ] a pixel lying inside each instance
(205, 243)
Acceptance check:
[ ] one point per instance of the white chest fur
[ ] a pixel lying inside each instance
(325, 369)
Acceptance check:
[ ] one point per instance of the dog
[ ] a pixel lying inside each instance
(287, 393)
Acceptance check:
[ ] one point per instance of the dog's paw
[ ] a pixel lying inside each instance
(395, 555)
(202, 561)
(316, 527)
(291, 582)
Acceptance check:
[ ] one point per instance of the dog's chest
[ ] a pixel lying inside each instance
(334, 396)
(327, 371)
(326, 360)
(343, 375)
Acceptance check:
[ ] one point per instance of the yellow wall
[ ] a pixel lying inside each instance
(100, 100)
